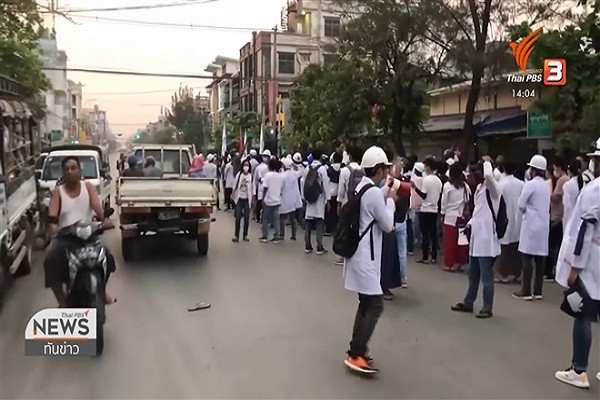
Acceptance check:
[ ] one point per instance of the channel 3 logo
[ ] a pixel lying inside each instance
(555, 72)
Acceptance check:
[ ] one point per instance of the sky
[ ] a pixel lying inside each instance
(101, 44)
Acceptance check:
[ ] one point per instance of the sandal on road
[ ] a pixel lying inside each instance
(199, 306)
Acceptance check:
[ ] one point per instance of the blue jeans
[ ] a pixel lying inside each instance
(481, 269)
(270, 218)
(401, 229)
(582, 341)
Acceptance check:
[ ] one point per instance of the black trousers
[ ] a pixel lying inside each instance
(369, 310)
(257, 209)
(228, 203)
(331, 216)
(529, 263)
(429, 234)
(242, 210)
(554, 242)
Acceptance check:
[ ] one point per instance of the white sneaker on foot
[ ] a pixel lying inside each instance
(598, 376)
(573, 378)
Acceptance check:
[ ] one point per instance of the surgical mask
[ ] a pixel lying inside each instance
(246, 168)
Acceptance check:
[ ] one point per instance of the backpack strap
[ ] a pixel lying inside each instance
(369, 228)
(490, 205)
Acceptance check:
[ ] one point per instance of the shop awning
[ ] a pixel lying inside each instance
(503, 125)
(13, 108)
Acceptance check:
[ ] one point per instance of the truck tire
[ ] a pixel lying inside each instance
(127, 249)
(202, 244)
(99, 338)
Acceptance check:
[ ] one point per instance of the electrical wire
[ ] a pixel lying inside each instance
(134, 93)
(144, 7)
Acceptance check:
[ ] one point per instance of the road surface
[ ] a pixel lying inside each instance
(279, 327)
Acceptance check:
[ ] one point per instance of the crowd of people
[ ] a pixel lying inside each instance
(504, 223)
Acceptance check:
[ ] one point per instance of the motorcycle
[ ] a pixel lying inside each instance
(88, 271)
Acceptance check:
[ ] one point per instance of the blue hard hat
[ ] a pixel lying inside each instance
(133, 160)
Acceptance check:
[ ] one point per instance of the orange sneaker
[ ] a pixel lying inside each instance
(360, 364)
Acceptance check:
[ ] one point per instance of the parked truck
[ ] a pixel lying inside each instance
(19, 216)
(174, 204)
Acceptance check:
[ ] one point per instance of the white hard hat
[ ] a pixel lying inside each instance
(419, 166)
(374, 156)
(287, 163)
(538, 162)
(297, 157)
(253, 153)
(597, 152)
(266, 153)
(210, 157)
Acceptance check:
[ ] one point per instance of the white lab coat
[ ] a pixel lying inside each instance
(570, 193)
(342, 195)
(534, 203)
(587, 208)
(229, 176)
(235, 196)
(334, 187)
(316, 210)
(361, 273)
(484, 239)
(253, 164)
(259, 174)
(291, 200)
(511, 189)
(210, 170)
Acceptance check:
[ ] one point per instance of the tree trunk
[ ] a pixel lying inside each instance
(397, 125)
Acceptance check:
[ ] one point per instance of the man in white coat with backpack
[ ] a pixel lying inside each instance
(359, 239)
(315, 190)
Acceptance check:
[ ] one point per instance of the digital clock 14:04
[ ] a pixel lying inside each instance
(524, 93)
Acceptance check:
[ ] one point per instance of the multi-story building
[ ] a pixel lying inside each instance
(75, 97)
(57, 123)
(272, 60)
(95, 125)
(222, 91)
(202, 104)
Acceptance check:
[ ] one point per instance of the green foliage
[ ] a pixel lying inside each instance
(20, 29)
(191, 124)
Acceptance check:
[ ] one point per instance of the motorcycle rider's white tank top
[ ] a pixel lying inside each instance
(76, 209)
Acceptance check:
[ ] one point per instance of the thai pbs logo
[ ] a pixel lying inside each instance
(62, 332)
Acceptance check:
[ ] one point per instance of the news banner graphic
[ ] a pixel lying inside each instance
(62, 332)
(554, 72)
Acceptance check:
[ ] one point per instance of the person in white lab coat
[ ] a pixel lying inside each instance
(272, 186)
(291, 200)
(315, 212)
(484, 245)
(259, 173)
(210, 168)
(571, 191)
(229, 180)
(579, 265)
(534, 204)
(362, 271)
(334, 171)
(509, 264)
(253, 160)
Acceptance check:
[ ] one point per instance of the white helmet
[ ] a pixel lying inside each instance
(419, 166)
(287, 163)
(267, 153)
(253, 153)
(597, 152)
(538, 162)
(210, 157)
(374, 156)
(297, 158)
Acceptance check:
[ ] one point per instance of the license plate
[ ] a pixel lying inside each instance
(168, 214)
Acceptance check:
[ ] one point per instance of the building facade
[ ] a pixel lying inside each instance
(223, 91)
(75, 98)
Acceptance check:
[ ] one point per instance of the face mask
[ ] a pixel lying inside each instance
(246, 168)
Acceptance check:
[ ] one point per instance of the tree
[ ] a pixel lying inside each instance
(20, 30)
(188, 119)
(390, 36)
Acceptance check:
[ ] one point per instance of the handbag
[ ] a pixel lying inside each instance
(577, 303)
(465, 217)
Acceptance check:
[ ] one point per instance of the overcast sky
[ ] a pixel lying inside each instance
(121, 45)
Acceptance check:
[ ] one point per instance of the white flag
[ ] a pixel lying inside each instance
(245, 142)
(224, 140)
(262, 140)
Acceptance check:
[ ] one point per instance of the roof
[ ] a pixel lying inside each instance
(77, 147)
(156, 146)
(487, 122)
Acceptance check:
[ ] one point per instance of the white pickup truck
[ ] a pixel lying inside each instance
(173, 204)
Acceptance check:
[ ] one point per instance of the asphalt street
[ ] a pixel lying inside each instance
(279, 326)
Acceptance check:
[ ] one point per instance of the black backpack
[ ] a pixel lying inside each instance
(334, 176)
(500, 220)
(312, 185)
(356, 176)
(348, 236)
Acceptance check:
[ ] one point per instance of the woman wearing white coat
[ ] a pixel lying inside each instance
(534, 203)
(362, 271)
(291, 200)
(484, 245)
(315, 212)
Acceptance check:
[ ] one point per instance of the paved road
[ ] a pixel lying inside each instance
(278, 328)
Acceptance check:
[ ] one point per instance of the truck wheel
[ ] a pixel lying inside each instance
(99, 338)
(127, 249)
(202, 244)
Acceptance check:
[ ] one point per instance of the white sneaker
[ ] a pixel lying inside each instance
(573, 378)
(598, 376)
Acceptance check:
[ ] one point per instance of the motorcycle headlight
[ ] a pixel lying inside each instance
(84, 232)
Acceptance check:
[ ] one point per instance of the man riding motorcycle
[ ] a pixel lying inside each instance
(72, 201)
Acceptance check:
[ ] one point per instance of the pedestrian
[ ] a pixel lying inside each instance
(509, 265)
(241, 195)
(196, 170)
(556, 216)
(210, 168)
(534, 204)
(229, 178)
(400, 224)
(362, 271)
(455, 205)
(484, 245)
(416, 201)
(272, 185)
(253, 160)
(578, 268)
(291, 200)
(259, 174)
(299, 167)
(333, 172)
(430, 191)
(134, 169)
(571, 191)
(500, 170)
(150, 169)
(345, 186)
(315, 180)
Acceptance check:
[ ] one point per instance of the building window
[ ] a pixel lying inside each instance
(332, 27)
(286, 63)
(73, 99)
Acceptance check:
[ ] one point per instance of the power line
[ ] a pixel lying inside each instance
(144, 7)
(134, 93)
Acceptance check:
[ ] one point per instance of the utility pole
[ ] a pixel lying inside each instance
(274, 90)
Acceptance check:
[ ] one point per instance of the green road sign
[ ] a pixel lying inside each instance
(539, 126)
